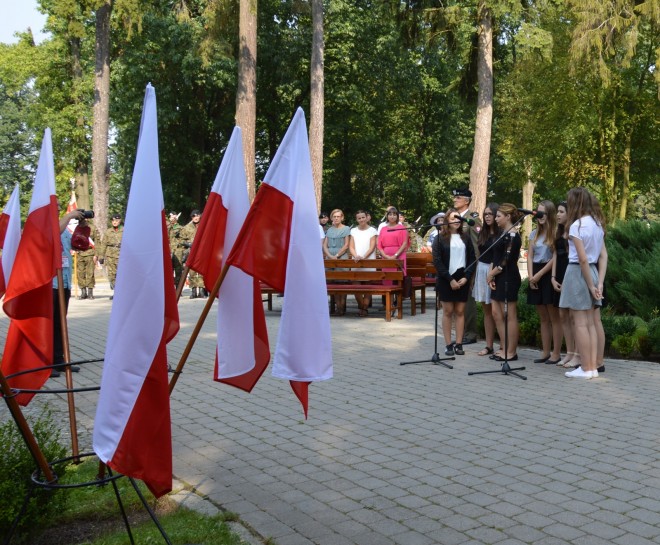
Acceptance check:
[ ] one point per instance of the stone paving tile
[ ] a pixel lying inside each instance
(405, 454)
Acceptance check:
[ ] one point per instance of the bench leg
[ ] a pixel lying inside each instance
(388, 307)
(400, 306)
(270, 301)
(423, 297)
(413, 303)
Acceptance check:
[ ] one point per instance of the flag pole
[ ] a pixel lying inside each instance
(24, 428)
(198, 326)
(67, 369)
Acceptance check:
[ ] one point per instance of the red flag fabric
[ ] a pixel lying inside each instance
(10, 237)
(279, 245)
(132, 430)
(29, 296)
(243, 353)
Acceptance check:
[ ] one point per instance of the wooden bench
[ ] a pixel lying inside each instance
(359, 279)
(419, 266)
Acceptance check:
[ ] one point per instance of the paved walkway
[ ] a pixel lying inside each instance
(411, 455)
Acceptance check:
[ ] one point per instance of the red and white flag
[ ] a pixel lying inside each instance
(73, 205)
(279, 245)
(10, 236)
(243, 353)
(29, 296)
(132, 430)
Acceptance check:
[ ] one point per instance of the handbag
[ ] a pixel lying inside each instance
(80, 238)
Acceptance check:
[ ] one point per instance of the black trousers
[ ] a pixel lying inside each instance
(58, 347)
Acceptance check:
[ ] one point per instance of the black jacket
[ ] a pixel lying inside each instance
(441, 251)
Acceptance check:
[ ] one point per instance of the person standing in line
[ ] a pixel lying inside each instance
(481, 291)
(324, 220)
(86, 264)
(67, 277)
(335, 246)
(429, 237)
(187, 235)
(362, 245)
(462, 198)
(393, 242)
(540, 261)
(452, 251)
(110, 246)
(582, 290)
(176, 246)
(504, 280)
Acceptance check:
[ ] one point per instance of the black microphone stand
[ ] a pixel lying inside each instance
(435, 358)
(505, 369)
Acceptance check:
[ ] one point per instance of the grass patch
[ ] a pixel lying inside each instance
(90, 516)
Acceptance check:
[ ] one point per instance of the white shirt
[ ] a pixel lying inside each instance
(362, 241)
(456, 253)
(591, 234)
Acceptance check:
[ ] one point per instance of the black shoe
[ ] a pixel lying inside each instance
(61, 367)
(75, 369)
(512, 358)
(449, 351)
(54, 373)
(90, 293)
(601, 369)
(469, 340)
(541, 360)
(552, 362)
(83, 294)
(458, 350)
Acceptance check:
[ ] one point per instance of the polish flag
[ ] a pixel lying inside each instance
(132, 430)
(10, 236)
(29, 296)
(243, 353)
(73, 205)
(279, 245)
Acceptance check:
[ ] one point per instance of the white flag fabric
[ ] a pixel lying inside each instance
(10, 236)
(279, 245)
(132, 430)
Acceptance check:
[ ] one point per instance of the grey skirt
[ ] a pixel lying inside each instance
(575, 294)
(481, 290)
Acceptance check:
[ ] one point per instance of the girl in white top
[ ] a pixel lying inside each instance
(362, 245)
(582, 289)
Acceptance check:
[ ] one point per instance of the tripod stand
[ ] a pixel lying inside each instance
(505, 369)
(435, 358)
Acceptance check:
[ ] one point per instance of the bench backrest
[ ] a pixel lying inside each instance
(358, 271)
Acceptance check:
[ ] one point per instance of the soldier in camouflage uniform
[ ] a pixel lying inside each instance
(176, 246)
(187, 236)
(415, 244)
(86, 264)
(108, 252)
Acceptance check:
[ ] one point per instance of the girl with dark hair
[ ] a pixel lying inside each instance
(540, 292)
(362, 245)
(481, 291)
(582, 290)
(452, 251)
(504, 280)
(393, 240)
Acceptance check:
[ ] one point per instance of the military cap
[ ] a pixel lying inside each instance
(462, 192)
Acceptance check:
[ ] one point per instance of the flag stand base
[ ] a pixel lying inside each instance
(37, 482)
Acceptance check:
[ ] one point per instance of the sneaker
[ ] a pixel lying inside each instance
(578, 373)
(449, 351)
(601, 369)
(54, 373)
(458, 350)
(594, 374)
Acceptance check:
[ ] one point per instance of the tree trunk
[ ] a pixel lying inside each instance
(246, 94)
(527, 202)
(316, 118)
(481, 156)
(100, 171)
(625, 182)
(81, 186)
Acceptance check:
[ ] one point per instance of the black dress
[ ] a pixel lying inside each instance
(506, 255)
(441, 255)
(561, 247)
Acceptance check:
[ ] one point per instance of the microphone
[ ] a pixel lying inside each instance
(535, 213)
(469, 221)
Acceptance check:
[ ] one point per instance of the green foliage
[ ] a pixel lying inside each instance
(528, 318)
(618, 327)
(16, 467)
(633, 268)
(654, 335)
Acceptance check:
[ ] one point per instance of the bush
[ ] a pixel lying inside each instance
(654, 335)
(633, 268)
(618, 326)
(528, 319)
(16, 467)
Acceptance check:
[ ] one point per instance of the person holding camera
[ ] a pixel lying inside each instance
(86, 255)
(109, 250)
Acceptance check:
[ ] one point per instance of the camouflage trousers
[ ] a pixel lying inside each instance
(85, 271)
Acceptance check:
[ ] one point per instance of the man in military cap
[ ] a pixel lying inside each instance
(188, 236)
(108, 253)
(176, 245)
(462, 198)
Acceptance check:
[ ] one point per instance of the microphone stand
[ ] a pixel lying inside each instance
(505, 369)
(435, 358)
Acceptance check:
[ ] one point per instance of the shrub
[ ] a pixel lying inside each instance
(654, 335)
(617, 326)
(633, 267)
(16, 467)
(528, 319)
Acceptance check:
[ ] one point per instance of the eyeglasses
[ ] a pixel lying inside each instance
(487, 214)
